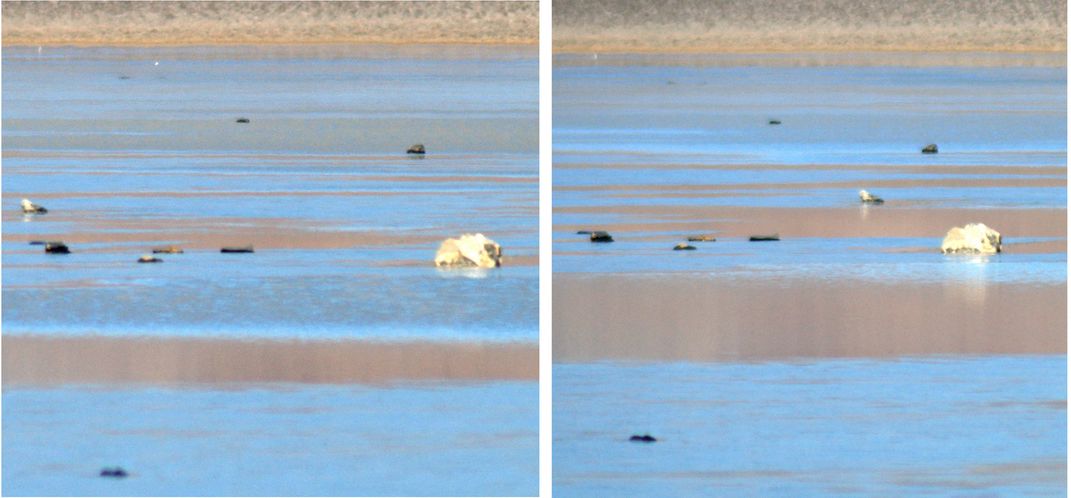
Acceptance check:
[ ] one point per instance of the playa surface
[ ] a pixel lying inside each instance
(336, 347)
(832, 342)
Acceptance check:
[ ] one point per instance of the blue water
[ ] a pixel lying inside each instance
(274, 440)
(943, 426)
(829, 114)
(129, 154)
(631, 133)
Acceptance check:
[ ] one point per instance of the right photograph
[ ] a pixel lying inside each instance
(809, 248)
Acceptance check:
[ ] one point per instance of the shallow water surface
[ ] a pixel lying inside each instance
(145, 151)
(920, 425)
(274, 440)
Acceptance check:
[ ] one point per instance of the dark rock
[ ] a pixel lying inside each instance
(765, 238)
(702, 238)
(583, 232)
(56, 248)
(37, 242)
(124, 77)
(775, 121)
(930, 149)
(415, 149)
(116, 472)
(683, 247)
(646, 438)
(167, 250)
(234, 249)
(242, 120)
(601, 236)
(149, 259)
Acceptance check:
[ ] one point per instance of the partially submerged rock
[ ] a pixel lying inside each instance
(930, 149)
(415, 149)
(683, 247)
(601, 236)
(56, 248)
(147, 258)
(765, 238)
(237, 249)
(114, 472)
(868, 198)
(241, 120)
(646, 438)
(167, 250)
(775, 121)
(469, 250)
(583, 232)
(31, 208)
(702, 238)
(974, 238)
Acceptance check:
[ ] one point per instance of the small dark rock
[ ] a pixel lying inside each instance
(601, 236)
(683, 247)
(930, 149)
(124, 77)
(765, 238)
(646, 438)
(56, 248)
(234, 249)
(702, 238)
(149, 259)
(242, 120)
(775, 121)
(415, 149)
(116, 472)
(583, 232)
(37, 242)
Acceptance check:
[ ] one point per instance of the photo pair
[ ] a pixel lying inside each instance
(569, 248)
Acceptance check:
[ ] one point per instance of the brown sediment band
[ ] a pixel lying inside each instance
(164, 23)
(856, 221)
(670, 318)
(50, 360)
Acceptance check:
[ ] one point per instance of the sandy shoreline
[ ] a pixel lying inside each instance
(647, 318)
(51, 360)
(190, 23)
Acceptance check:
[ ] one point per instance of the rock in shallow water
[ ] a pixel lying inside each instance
(973, 238)
(469, 250)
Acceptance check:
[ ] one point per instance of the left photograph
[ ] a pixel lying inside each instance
(270, 248)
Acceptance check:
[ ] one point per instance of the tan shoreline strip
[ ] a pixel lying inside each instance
(37, 360)
(187, 23)
(664, 318)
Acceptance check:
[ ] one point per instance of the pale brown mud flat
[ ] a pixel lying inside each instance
(858, 221)
(668, 318)
(51, 360)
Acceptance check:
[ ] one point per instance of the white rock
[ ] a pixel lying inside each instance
(972, 238)
(29, 207)
(469, 250)
(868, 198)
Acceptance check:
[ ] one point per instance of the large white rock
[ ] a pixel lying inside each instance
(29, 207)
(469, 250)
(972, 238)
